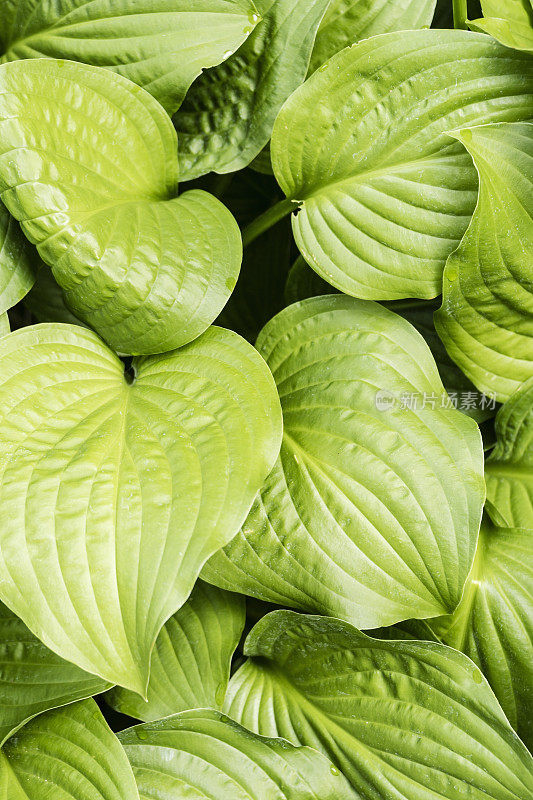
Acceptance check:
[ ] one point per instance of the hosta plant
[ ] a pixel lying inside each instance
(266, 400)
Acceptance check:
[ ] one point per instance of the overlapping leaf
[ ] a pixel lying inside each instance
(509, 21)
(349, 21)
(486, 319)
(88, 165)
(509, 469)
(409, 720)
(46, 300)
(493, 624)
(385, 195)
(191, 660)
(32, 678)
(372, 510)
(204, 754)
(17, 262)
(115, 494)
(162, 45)
(228, 115)
(67, 754)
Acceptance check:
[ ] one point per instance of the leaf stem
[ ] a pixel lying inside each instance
(267, 220)
(460, 14)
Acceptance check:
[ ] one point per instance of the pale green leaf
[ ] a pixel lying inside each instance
(385, 195)
(508, 21)
(486, 319)
(32, 678)
(348, 21)
(229, 112)
(493, 624)
(191, 660)
(161, 45)
(372, 510)
(113, 493)
(88, 165)
(403, 719)
(4, 324)
(18, 259)
(509, 469)
(203, 754)
(67, 754)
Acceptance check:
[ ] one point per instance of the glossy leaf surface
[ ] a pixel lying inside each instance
(191, 660)
(486, 319)
(114, 493)
(385, 194)
(372, 511)
(509, 21)
(200, 754)
(95, 191)
(67, 754)
(161, 45)
(493, 624)
(17, 262)
(409, 720)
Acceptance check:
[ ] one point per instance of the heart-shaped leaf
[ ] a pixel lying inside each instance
(486, 319)
(162, 45)
(385, 195)
(191, 660)
(406, 720)
(372, 511)
(88, 165)
(113, 493)
(508, 21)
(228, 115)
(349, 21)
(202, 753)
(67, 754)
(509, 469)
(493, 622)
(17, 262)
(32, 678)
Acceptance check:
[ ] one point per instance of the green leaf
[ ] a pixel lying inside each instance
(486, 319)
(46, 300)
(67, 754)
(509, 470)
(32, 678)
(191, 660)
(385, 195)
(114, 494)
(95, 190)
(508, 21)
(228, 115)
(4, 324)
(372, 511)
(303, 282)
(349, 21)
(161, 45)
(200, 754)
(493, 622)
(17, 262)
(406, 720)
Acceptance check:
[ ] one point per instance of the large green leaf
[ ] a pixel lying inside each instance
(67, 754)
(508, 21)
(203, 754)
(349, 21)
(385, 195)
(32, 678)
(372, 511)
(114, 494)
(228, 115)
(88, 165)
(17, 262)
(162, 45)
(4, 324)
(493, 624)
(191, 660)
(486, 319)
(404, 720)
(509, 470)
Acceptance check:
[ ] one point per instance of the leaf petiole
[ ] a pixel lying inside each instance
(267, 220)
(460, 14)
